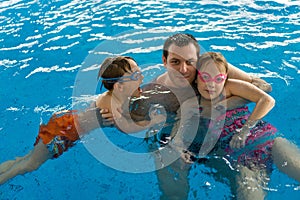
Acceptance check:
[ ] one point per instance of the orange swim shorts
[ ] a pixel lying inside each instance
(59, 133)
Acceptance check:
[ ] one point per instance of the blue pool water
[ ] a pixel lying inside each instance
(44, 45)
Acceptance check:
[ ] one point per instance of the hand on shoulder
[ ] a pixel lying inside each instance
(261, 84)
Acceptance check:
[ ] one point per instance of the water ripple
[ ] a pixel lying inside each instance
(50, 69)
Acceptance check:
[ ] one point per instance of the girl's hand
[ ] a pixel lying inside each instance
(239, 139)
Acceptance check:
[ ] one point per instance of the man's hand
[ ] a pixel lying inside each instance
(261, 84)
(107, 118)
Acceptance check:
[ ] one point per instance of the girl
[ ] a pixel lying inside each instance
(213, 85)
(122, 78)
(242, 138)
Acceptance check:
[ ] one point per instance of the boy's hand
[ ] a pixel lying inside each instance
(187, 157)
(157, 118)
(157, 115)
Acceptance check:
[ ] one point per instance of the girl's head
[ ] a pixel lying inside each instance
(120, 73)
(212, 74)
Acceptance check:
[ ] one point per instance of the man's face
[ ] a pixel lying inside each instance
(181, 64)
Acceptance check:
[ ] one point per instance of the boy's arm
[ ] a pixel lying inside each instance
(105, 118)
(236, 101)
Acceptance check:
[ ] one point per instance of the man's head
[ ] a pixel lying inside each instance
(180, 40)
(180, 55)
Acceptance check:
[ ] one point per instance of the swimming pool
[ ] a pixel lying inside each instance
(45, 44)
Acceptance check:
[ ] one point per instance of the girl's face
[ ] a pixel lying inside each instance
(133, 80)
(211, 79)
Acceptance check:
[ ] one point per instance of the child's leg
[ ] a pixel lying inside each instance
(8, 164)
(286, 157)
(250, 183)
(28, 163)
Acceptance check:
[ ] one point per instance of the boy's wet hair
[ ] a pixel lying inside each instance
(180, 40)
(216, 57)
(114, 67)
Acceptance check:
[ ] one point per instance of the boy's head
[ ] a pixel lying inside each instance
(114, 68)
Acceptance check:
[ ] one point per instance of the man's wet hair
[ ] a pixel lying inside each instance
(180, 40)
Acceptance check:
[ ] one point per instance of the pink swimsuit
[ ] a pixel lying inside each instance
(258, 145)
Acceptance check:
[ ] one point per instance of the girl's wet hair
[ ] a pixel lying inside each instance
(216, 57)
(114, 67)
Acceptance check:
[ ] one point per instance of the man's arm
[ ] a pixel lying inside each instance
(93, 118)
(236, 73)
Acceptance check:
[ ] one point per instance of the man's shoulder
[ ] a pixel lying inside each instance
(192, 102)
(156, 84)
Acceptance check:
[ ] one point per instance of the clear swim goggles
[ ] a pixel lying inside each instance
(133, 77)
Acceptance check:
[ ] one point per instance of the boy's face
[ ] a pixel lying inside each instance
(132, 87)
(181, 64)
(211, 80)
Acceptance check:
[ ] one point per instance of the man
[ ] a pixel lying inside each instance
(169, 90)
(180, 55)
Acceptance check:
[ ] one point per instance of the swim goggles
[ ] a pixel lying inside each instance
(206, 77)
(133, 77)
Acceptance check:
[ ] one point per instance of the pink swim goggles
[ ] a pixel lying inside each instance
(205, 77)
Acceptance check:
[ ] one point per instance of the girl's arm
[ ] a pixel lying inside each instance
(264, 103)
(235, 73)
(233, 102)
